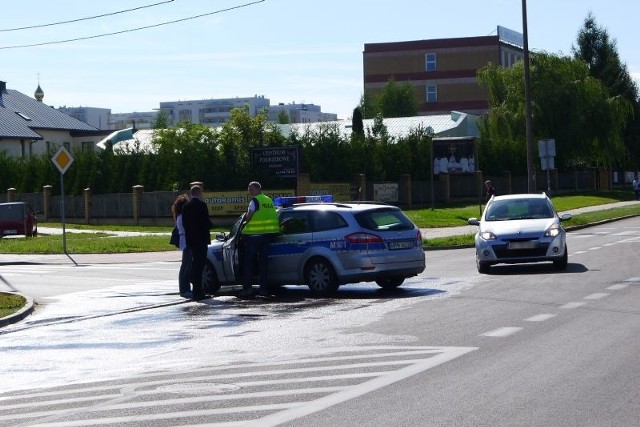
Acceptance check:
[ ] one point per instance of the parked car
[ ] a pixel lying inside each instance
(520, 228)
(17, 218)
(324, 245)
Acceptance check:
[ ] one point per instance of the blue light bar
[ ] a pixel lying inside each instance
(283, 202)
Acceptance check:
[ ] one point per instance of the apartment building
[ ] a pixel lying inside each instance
(210, 112)
(441, 71)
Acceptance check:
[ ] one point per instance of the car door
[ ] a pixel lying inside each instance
(287, 251)
(231, 252)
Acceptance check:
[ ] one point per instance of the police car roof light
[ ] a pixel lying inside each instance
(290, 201)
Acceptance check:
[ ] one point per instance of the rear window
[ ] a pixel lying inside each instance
(384, 219)
(12, 212)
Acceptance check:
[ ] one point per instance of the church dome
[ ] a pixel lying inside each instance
(39, 93)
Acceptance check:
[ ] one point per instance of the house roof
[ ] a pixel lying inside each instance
(21, 116)
(452, 124)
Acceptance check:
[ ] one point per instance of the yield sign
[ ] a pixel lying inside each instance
(62, 159)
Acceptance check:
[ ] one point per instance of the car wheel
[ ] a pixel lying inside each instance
(320, 277)
(210, 282)
(561, 264)
(483, 267)
(390, 282)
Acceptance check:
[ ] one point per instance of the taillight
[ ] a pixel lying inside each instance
(419, 238)
(363, 238)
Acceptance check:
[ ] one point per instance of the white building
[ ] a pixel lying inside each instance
(300, 113)
(210, 112)
(99, 118)
(138, 120)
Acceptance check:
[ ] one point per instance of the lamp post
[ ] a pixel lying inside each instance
(531, 181)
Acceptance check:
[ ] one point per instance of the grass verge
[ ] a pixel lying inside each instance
(10, 303)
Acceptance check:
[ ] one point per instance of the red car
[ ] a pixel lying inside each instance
(17, 218)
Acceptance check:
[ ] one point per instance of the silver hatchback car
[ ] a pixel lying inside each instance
(325, 245)
(520, 228)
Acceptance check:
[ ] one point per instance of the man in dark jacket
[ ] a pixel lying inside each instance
(197, 226)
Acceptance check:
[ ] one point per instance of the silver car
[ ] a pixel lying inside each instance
(520, 228)
(325, 245)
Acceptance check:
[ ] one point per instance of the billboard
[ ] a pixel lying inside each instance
(279, 161)
(454, 155)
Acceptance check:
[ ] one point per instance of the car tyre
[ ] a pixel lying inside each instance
(483, 267)
(321, 277)
(390, 282)
(210, 282)
(561, 264)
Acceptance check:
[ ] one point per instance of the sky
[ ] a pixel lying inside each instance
(289, 51)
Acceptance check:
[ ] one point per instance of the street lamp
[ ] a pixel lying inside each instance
(531, 181)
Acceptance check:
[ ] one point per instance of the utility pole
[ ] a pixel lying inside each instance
(531, 177)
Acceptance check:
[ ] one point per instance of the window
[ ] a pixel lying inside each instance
(430, 61)
(432, 93)
(323, 221)
(294, 222)
(87, 146)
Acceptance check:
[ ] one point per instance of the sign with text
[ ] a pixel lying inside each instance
(341, 192)
(231, 203)
(279, 161)
(385, 192)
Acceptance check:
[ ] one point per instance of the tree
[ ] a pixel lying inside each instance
(161, 121)
(568, 105)
(599, 51)
(357, 127)
(395, 100)
(283, 118)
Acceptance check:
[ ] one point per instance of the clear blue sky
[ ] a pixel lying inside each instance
(287, 50)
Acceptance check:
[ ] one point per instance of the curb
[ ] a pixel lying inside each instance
(20, 314)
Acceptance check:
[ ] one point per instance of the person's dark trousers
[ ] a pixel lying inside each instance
(198, 258)
(184, 282)
(256, 245)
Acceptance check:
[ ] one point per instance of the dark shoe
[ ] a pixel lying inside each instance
(264, 293)
(198, 297)
(245, 294)
(186, 294)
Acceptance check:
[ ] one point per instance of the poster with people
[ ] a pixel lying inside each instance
(454, 155)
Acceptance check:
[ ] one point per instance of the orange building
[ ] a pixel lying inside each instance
(441, 71)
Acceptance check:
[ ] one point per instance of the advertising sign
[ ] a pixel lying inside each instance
(233, 203)
(341, 192)
(278, 161)
(385, 192)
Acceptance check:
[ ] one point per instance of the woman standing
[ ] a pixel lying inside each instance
(184, 284)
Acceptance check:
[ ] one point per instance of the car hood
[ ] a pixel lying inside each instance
(519, 227)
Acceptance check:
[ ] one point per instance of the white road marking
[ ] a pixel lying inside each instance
(617, 287)
(597, 295)
(540, 317)
(595, 248)
(502, 332)
(573, 305)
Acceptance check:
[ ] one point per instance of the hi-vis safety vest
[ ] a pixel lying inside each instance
(264, 219)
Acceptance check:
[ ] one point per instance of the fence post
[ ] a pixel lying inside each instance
(137, 202)
(47, 190)
(405, 190)
(11, 194)
(359, 187)
(87, 205)
(303, 184)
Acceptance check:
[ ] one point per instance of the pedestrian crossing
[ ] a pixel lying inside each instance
(260, 394)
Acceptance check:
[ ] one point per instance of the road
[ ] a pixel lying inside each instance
(523, 346)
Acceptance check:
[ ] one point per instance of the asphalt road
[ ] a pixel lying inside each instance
(524, 346)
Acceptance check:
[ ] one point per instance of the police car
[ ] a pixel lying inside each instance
(323, 244)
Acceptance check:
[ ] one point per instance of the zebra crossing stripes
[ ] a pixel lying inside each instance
(264, 394)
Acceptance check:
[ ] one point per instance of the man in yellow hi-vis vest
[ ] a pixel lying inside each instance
(261, 225)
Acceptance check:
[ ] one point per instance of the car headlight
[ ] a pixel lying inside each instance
(488, 235)
(553, 231)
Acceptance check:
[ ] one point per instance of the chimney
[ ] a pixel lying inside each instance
(3, 86)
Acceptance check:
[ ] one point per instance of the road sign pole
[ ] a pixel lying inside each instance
(64, 233)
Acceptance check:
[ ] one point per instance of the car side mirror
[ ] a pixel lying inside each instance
(565, 217)
(473, 221)
(221, 236)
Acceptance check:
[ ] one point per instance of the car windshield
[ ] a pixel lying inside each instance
(506, 210)
(384, 219)
(12, 212)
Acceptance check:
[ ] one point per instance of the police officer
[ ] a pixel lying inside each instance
(261, 224)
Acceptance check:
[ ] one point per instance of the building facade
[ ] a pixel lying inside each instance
(300, 113)
(138, 120)
(442, 72)
(210, 112)
(99, 118)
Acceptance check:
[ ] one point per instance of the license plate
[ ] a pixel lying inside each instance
(401, 245)
(530, 244)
